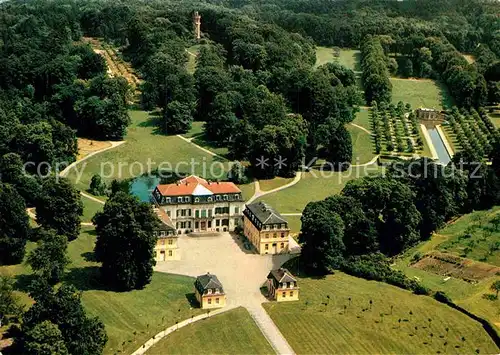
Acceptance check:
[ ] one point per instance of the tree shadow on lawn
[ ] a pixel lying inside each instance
(296, 267)
(154, 120)
(193, 302)
(89, 256)
(86, 279)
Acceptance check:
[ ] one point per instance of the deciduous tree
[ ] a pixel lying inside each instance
(14, 226)
(60, 207)
(125, 242)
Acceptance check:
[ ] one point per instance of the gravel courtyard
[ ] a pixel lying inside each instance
(241, 272)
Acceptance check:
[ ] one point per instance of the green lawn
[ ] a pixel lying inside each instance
(349, 58)
(363, 119)
(294, 223)
(233, 332)
(146, 312)
(144, 144)
(196, 130)
(314, 186)
(495, 118)
(362, 147)
(247, 190)
(270, 184)
(191, 64)
(90, 208)
(420, 93)
(313, 328)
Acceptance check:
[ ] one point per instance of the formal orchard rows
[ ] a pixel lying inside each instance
(395, 127)
(473, 131)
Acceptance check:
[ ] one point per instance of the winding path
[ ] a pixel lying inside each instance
(259, 193)
(361, 128)
(190, 140)
(75, 163)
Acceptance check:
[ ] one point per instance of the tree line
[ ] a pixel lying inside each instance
(381, 216)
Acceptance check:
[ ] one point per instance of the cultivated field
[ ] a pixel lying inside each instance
(420, 93)
(233, 332)
(143, 144)
(475, 236)
(396, 322)
(130, 317)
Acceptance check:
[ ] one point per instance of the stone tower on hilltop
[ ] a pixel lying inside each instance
(197, 24)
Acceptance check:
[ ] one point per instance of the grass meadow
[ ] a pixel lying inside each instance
(232, 332)
(145, 144)
(349, 58)
(90, 208)
(396, 321)
(130, 317)
(420, 93)
(314, 186)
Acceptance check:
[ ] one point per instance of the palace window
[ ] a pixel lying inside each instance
(291, 293)
(179, 199)
(170, 253)
(217, 198)
(274, 235)
(168, 200)
(168, 213)
(217, 300)
(210, 213)
(203, 213)
(209, 199)
(236, 197)
(284, 294)
(197, 213)
(177, 225)
(225, 197)
(209, 301)
(266, 247)
(282, 245)
(170, 241)
(217, 222)
(186, 199)
(189, 224)
(236, 210)
(183, 213)
(196, 225)
(209, 291)
(282, 235)
(162, 233)
(197, 199)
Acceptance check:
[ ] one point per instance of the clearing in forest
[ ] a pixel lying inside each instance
(421, 93)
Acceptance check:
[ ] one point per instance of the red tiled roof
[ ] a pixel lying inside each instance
(164, 218)
(187, 186)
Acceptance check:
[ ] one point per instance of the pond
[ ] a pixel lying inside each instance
(143, 186)
(443, 156)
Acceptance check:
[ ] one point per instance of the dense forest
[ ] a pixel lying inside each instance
(258, 90)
